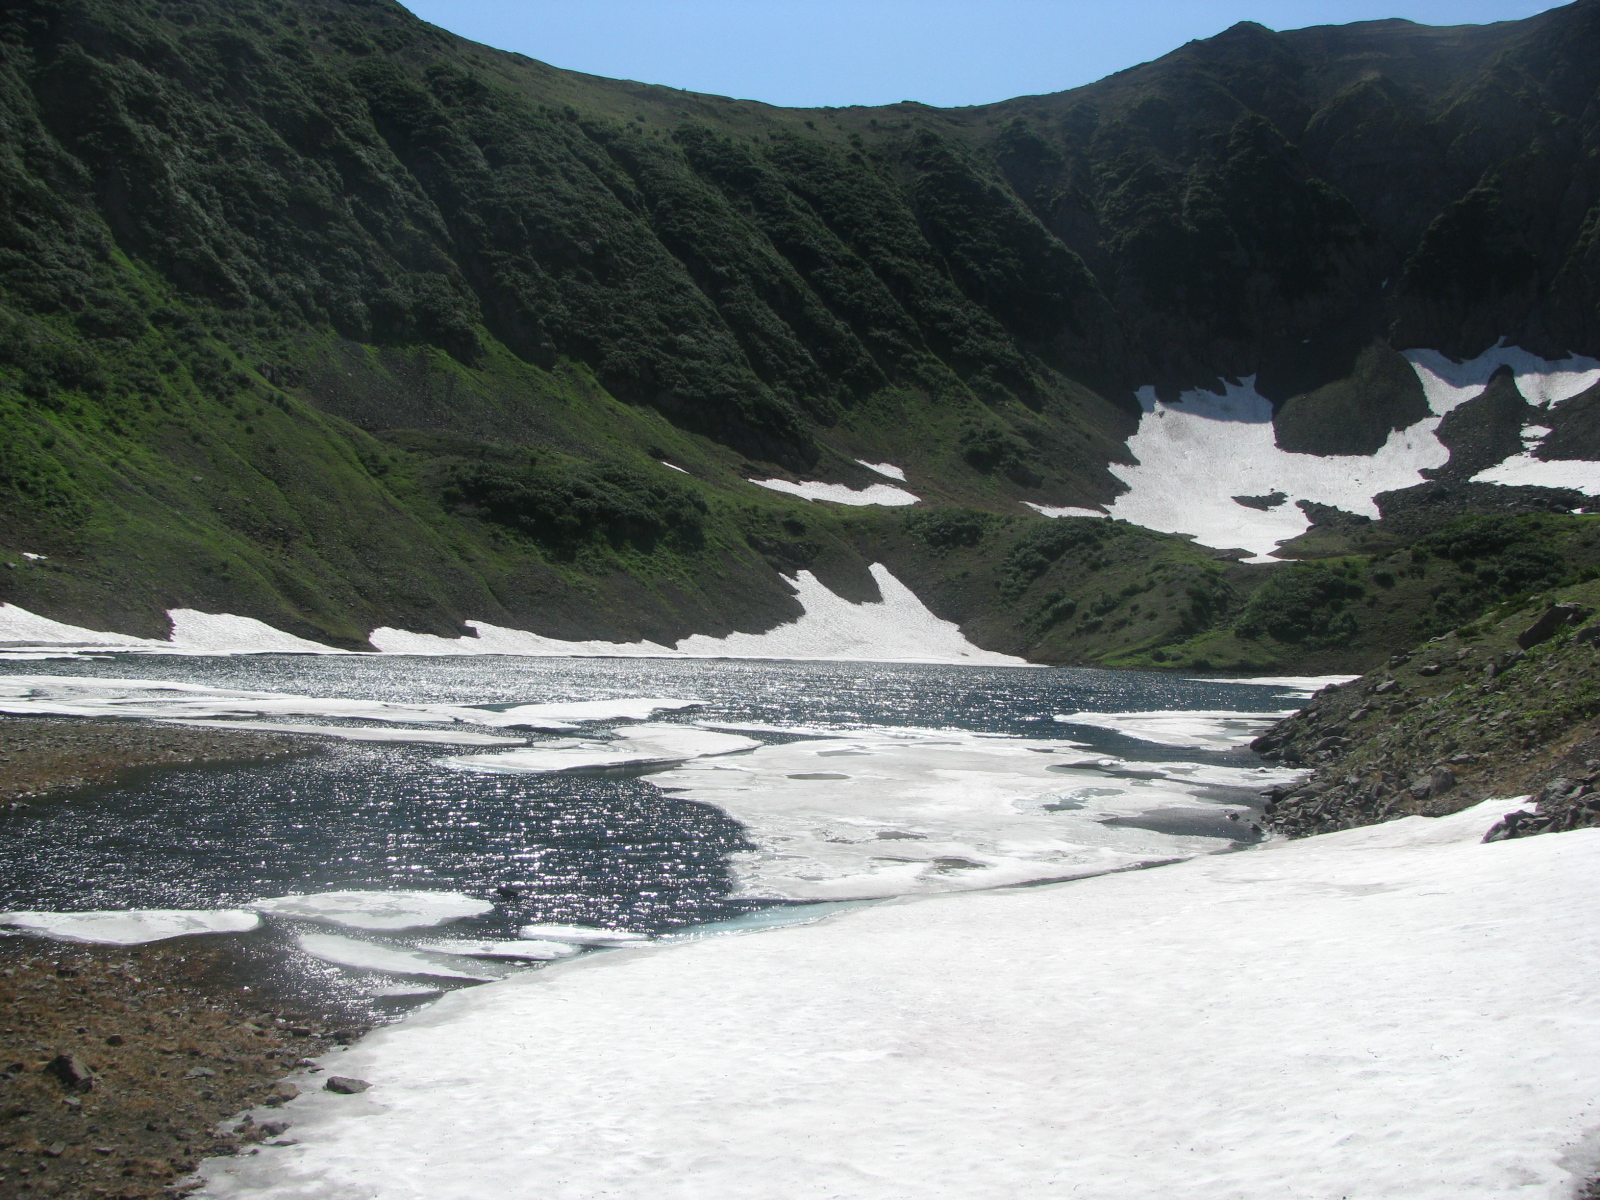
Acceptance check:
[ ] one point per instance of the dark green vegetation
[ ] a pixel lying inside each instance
(314, 313)
(1505, 706)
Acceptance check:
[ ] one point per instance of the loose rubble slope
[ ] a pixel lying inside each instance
(1504, 706)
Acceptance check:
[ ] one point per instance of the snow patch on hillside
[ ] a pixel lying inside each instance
(899, 628)
(193, 632)
(880, 494)
(887, 470)
(1044, 510)
(1395, 1013)
(1525, 469)
(1449, 384)
(1194, 456)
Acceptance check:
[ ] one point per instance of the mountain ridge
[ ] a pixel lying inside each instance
(274, 275)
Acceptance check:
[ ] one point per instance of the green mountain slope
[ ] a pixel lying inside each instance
(315, 313)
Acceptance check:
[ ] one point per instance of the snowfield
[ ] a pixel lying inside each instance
(1195, 456)
(1393, 1012)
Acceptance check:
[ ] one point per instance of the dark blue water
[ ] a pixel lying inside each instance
(584, 849)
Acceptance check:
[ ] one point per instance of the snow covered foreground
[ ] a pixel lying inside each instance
(1397, 1011)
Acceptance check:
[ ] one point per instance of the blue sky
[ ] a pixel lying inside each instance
(942, 52)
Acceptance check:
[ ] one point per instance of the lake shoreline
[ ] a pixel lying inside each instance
(40, 756)
(122, 1066)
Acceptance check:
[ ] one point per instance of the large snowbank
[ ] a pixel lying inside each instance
(899, 628)
(1393, 1013)
(1194, 456)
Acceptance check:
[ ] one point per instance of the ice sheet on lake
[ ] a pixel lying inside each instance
(375, 910)
(95, 696)
(369, 956)
(876, 494)
(1394, 1013)
(130, 927)
(1302, 683)
(640, 746)
(1044, 510)
(581, 935)
(898, 629)
(887, 470)
(530, 950)
(888, 813)
(1194, 729)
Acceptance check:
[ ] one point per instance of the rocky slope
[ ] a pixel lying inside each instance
(321, 315)
(1504, 706)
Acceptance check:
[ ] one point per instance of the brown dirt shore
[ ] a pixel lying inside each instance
(122, 1067)
(117, 1064)
(39, 755)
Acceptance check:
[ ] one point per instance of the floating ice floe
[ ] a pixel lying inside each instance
(877, 494)
(531, 950)
(641, 746)
(1328, 1017)
(375, 910)
(580, 935)
(887, 470)
(1044, 510)
(369, 956)
(631, 709)
(1303, 684)
(402, 991)
(1195, 729)
(896, 812)
(130, 927)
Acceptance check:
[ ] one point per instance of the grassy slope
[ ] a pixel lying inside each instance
(318, 314)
